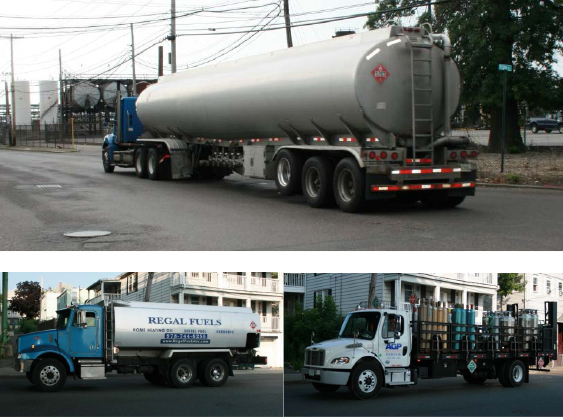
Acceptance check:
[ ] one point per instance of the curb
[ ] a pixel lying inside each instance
(524, 186)
(39, 150)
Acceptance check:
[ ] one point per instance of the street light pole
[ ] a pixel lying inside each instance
(133, 60)
(173, 36)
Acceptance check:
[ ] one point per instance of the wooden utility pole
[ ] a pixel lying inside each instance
(160, 61)
(133, 61)
(287, 23)
(14, 139)
(173, 35)
(7, 129)
(60, 97)
(149, 286)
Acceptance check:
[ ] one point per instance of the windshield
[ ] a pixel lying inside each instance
(363, 322)
(62, 320)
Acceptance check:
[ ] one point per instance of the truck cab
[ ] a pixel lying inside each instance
(47, 357)
(373, 348)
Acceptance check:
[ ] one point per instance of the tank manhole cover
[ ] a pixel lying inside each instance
(87, 233)
(49, 186)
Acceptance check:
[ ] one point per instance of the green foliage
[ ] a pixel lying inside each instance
(512, 178)
(28, 325)
(510, 282)
(27, 299)
(324, 320)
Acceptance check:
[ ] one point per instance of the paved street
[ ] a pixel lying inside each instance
(243, 214)
(247, 394)
(451, 397)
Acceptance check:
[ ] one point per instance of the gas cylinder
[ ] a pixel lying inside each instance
(495, 330)
(457, 318)
(471, 321)
(423, 314)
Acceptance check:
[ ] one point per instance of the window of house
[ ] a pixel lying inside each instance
(560, 289)
(409, 290)
(535, 284)
(548, 286)
(322, 295)
(391, 323)
(194, 300)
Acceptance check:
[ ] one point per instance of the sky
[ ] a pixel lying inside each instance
(52, 280)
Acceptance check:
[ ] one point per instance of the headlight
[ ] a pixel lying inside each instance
(340, 361)
(19, 355)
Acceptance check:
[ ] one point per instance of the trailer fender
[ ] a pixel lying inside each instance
(354, 152)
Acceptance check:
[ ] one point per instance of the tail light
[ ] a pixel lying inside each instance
(383, 155)
(394, 156)
(463, 154)
(372, 155)
(453, 155)
(474, 154)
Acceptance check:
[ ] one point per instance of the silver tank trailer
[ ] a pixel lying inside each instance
(324, 82)
(168, 326)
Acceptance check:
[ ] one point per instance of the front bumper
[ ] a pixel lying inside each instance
(325, 376)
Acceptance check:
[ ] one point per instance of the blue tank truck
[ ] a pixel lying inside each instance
(391, 347)
(169, 344)
(355, 118)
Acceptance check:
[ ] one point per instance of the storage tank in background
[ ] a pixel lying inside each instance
(109, 93)
(23, 102)
(48, 101)
(141, 86)
(84, 96)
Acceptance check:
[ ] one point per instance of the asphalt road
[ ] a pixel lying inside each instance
(243, 214)
(451, 397)
(247, 394)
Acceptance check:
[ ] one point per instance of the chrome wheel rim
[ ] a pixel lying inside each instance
(106, 158)
(346, 189)
(517, 373)
(284, 172)
(138, 165)
(367, 381)
(49, 375)
(312, 182)
(184, 373)
(152, 164)
(217, 372)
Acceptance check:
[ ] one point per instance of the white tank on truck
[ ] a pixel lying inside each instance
(170, 344)
(360, 117)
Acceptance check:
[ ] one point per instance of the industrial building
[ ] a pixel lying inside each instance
(261, 291)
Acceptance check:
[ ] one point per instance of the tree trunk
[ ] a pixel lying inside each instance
(513, 138)
(371, 295)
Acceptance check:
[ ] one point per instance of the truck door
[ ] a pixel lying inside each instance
(84, 341)
(395, 340)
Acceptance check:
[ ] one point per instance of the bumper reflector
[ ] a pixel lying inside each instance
(377, 188)
(425, 171)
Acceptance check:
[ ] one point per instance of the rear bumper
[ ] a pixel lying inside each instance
(325, 376)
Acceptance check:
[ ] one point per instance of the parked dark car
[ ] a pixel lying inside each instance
(545, 124)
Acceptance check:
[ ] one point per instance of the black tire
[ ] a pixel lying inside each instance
(548, 131)
(153, 164)
(474, 380)
(316, 181)
(349, 186)
(141, 162)
(156, 378)
(29, 377)
(325, 388)
(440, 201)
(366, 381)
(500, 374)
(108, 168)
(215, 373)
(289, 166)
(49, 375)
(534, 128)
(514, 373)
(183, 373)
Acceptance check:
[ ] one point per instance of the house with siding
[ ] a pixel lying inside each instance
(352, 289)
(260, 291)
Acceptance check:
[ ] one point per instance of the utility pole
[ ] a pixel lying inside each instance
(60, 97)
(287, 23)
(133, 60)
(430, 11)
(160, 61)
(4, 336)
(13, 126)
(173, 35)
(8, 116)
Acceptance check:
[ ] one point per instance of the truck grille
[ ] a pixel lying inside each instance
(315, 358)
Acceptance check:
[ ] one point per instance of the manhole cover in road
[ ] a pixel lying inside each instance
(87, 233)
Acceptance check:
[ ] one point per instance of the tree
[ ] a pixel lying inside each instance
(508, 283)
(484, 34)
(27, 299)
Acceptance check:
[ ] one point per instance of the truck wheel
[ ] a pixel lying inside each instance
(534, 128)
(474, 380)
(215, 373)
(183, 373)
(49, 375)
(548, 131)
(440, 201)
(108, 168)
(325, 388)
(153, 165)
(288, 172)
(349, 185)
(141, 162)
(317, 177)
(366, 381)
(514, 374)
(155, 377)
(29, 376)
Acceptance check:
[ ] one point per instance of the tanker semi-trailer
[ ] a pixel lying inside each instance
(170, 344)
(355, 118)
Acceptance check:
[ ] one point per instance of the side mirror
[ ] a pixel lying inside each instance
(81, 319)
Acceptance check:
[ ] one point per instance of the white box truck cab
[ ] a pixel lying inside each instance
(396, 347)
